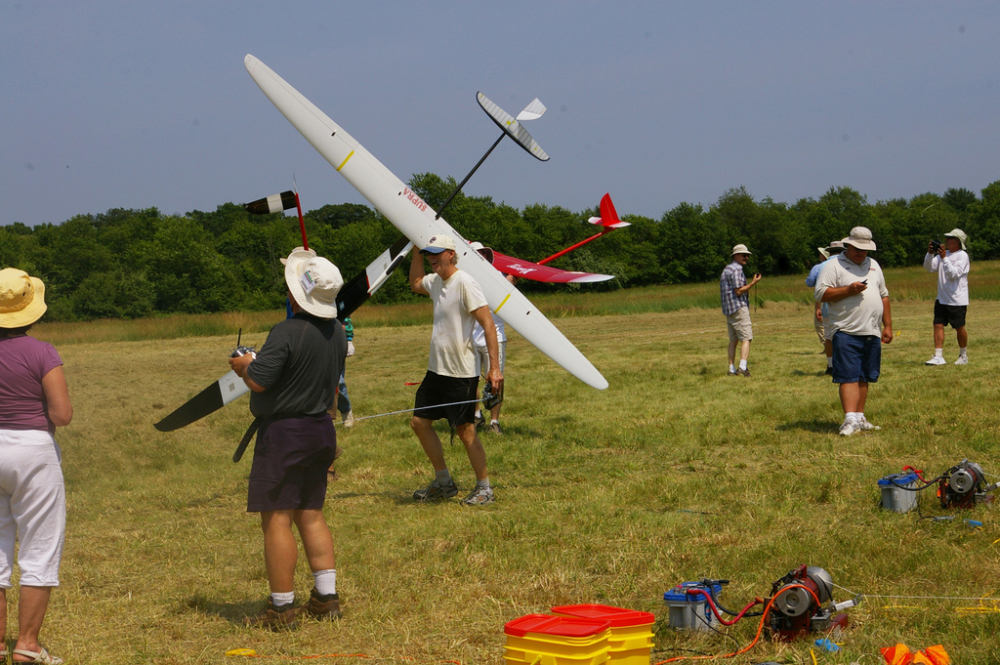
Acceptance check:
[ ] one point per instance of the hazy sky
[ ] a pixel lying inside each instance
(142, 104)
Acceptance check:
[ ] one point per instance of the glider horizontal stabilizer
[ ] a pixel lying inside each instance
(271, 204)
(512, 128)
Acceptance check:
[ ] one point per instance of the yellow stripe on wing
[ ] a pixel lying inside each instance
(504, 302)
(345, 161)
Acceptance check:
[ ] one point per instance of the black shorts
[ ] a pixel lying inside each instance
(290, 460)
(436, 389)
(949, 315)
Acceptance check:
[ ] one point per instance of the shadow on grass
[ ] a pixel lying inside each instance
(799, 372)
(234, 613)
(816, 426)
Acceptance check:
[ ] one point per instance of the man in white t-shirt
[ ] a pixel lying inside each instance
(451, 372)
(951, 262)
(854, 289)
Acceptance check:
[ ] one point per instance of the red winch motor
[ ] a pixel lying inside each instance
(962, 486)
(798, 608)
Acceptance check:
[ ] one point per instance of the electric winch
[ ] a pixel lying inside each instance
(961, 486)
(964, 486)
(801, 602)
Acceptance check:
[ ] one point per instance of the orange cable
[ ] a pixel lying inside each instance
(760, 629)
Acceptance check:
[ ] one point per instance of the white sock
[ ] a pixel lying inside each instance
(962, 351)
(829, 362)
(939, 353)
(851, 417)
(860, 417)
(484, 483)
(442, 478)
(494, 421)
(479, 414)
(743, 364)
(279, 599)
(325, 581)
(732, 368)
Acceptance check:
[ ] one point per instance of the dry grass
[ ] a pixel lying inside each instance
(675, 472)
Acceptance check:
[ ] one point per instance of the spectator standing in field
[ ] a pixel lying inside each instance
(343, 399)
(451, 372)
(293, 380)
(34, 400)
(854, 288)
(951, 262)
(733, 288)
(483, 366)
(821, 315)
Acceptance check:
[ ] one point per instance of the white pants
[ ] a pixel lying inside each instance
(32, 507)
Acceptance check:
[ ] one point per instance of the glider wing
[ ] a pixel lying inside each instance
(416, 220)
(511, 127)
(509, 265)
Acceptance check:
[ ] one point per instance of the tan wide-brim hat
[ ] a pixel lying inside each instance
(305, 271)
(957, 234)
(740, 249)
(22, 298)
(860, 237)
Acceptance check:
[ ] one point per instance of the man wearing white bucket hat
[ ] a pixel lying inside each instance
(733, 289)
(293, 380)
(951, 262)
(854, 289)
(451, 371)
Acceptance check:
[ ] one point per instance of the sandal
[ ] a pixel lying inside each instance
(42, 656)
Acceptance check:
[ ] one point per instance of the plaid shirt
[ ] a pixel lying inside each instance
(732, 279)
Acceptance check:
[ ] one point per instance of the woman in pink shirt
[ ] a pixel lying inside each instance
(34, 400)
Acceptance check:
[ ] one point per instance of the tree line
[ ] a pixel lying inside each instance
(135, 263)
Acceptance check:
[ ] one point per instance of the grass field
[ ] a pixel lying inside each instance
(674, 473)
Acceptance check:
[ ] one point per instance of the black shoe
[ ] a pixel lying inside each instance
(829, 371)
(480, 421)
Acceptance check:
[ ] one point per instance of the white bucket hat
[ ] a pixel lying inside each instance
(836, 246)
(740, 249)
(861, 238)
(22, 298)
(314, 282)
(957, 234)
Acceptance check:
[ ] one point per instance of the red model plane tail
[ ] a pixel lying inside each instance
(609, 216)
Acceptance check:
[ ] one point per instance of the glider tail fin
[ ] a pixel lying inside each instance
(609, 216)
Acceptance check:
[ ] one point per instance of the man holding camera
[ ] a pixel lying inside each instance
(951, 262)
(854, 288)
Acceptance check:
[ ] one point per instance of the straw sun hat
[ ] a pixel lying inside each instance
(22, 298)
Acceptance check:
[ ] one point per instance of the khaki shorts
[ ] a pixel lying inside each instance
(818, 324)
(739, 325)
(828, 330)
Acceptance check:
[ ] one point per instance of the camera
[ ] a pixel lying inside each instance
(935, 246)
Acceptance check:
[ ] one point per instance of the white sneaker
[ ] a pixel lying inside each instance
(962, 360)
(865, 426)
(936, 360)
(848, 428)
(349, 419)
